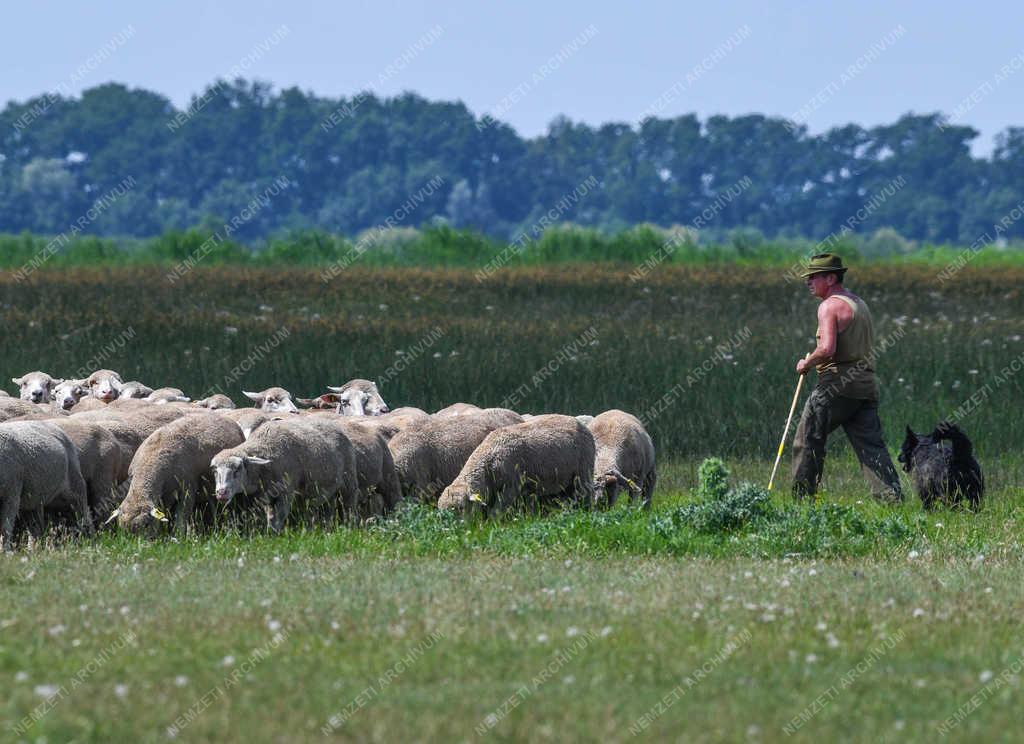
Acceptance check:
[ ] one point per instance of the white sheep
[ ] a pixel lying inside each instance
(457, 409)
(548, 458)
(67, 393)
(167, 395)
(134, 389)
(36, 387)
(287, 459)
(624, 458)
(359, 398)
(39, 468)
(14, 407)
(216, 402)
(100, 458)
(428, 457)
(273, 400)
(170, 471)
(104, 384)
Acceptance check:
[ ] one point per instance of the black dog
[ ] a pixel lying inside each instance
(940, 473)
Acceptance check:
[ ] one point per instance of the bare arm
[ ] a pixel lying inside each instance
(828, 330)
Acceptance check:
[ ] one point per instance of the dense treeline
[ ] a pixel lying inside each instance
(125, 162)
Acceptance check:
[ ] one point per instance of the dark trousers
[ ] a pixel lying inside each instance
(823, 412)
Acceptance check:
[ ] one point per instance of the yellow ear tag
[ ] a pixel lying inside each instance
(113, 515)
(477, 498)
(157, 514)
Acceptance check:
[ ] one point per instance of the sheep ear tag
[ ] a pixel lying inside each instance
(113, 515)
(477, 498)
(157, 514)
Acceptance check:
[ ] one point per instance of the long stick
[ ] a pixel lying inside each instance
(789, 420)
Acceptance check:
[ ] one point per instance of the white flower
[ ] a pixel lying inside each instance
(56, 630)
(21, 676)
(120, 690)
(181, 680)
(542, 638)
(833, 642)
(572, 631)
(811, 658)
(821, 627)
(918, 612)
(985, 676)
(912, 554)
(606, 631)
(273, 625)
(46, 691)
(227, 661)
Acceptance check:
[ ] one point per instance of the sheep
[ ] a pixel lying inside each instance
(624, 458)
(379, 488)
(36, 387)
(585, 419)
(457, 409)
(273, 399)
(216, 402)
(90, 404)
(360, 398)
(134, 389)
(248, 419)
(40, 468)
(325, 402)
(390, 424)
(430, 456)
(4, 394)
(67, 393)
(104, 384)
(547, 457)
(171, 469)
(131, 427)
(167, 395)
(13, 407)
(286, 458)
(100, 459)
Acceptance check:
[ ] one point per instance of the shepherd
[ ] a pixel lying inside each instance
(847, 392)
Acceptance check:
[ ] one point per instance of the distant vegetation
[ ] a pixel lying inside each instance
(645, 248)
(126, 162)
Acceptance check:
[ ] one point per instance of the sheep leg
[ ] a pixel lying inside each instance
(648, 489)
(184, 508)
(277, 510)
(101, 496)
(79, 501)
(8, 513)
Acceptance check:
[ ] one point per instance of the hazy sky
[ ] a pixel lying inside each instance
(516, 59)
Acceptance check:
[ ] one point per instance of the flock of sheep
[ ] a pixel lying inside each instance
(103, 450)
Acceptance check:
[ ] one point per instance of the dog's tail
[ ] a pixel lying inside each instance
(963, 450)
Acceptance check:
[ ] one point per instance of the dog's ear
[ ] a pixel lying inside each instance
(911, 437)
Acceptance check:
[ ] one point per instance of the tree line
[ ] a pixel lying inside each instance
(357, 163)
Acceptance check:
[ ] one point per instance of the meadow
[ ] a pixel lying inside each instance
(769, 621)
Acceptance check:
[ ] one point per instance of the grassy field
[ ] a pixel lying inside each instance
(844, 619)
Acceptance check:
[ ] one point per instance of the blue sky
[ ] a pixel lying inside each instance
(529, 61)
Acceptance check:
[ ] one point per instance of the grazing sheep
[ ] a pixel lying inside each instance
(624, 459)
(429, 457)
(548, 458)
(171, 469)
(379, 488)
(100, 459)
(67, 393)
(104, 384)
(273, 400)
(941, 474)
(360, 398)
(167, 395)
(36, 387)
(40, 468)
(285, 458)
(216, 402)
(134, 389)
(585, 419)
(457, 409)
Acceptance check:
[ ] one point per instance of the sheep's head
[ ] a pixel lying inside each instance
(104, 384)
(142, 519)
(608, 484)
(322, 402)
(273, 399)
(134, 389)
(235, 474)
(36, 386)
(216, 402)
(68, 392)
(360, 398)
